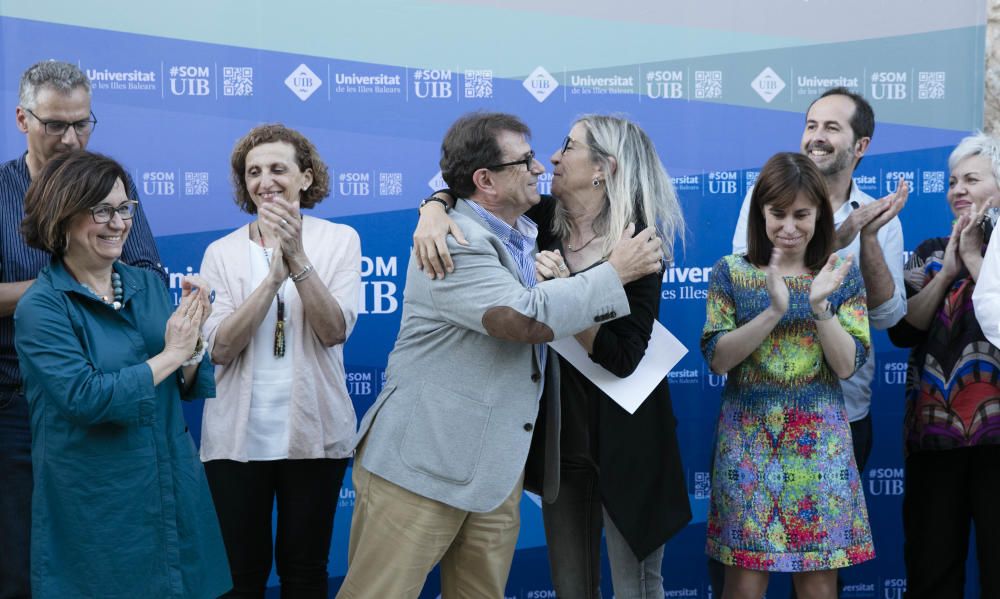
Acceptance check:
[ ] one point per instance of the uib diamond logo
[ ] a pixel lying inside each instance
(437, 182)
(303, 82)
(540, 84)
(767, 84)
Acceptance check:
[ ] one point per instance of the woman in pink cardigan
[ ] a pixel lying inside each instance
(281, 425)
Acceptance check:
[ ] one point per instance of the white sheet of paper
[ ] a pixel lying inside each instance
(662, 354)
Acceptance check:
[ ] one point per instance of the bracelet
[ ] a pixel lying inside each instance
(302, 275)
(826, 314)
(197, 355)
(426, 201)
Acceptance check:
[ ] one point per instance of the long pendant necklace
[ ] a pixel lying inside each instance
(279, 326)
(116, 291)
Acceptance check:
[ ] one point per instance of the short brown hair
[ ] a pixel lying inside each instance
(306, 157)
(471, 144)
(68, 184)
(783, 178)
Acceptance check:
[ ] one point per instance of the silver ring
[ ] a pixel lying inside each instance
(562, 268)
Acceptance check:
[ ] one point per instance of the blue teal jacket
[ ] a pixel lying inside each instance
(121, 507)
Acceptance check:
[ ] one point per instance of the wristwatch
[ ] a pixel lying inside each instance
(430, 199)
(826, 314)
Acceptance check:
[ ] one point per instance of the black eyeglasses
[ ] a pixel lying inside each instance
(527, 161)
(103, 213)
(568, 140)
(59, 128)
(565, 145)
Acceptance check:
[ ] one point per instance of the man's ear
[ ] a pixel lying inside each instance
(861, 146)
(21, 118)
(483, 179)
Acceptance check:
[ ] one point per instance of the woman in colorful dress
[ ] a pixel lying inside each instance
(785, 322)
(952, 419)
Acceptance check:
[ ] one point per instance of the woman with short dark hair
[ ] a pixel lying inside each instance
(282, 423)
(121, 507)
(786, 322)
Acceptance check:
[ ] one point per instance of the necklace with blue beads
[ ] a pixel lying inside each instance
(116, 289)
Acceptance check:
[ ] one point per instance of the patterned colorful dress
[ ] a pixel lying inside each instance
(786, 494)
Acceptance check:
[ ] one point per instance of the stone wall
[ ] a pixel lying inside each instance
(991, 117)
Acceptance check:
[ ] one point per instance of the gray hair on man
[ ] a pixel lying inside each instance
(62, 77)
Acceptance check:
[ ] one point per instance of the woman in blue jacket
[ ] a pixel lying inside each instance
(120, 506)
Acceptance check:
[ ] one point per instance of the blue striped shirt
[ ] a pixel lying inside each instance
(18, 262)
(520, 244)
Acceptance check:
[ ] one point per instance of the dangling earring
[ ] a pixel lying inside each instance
(597, 182)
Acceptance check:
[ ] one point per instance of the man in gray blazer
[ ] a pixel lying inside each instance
(441, 454)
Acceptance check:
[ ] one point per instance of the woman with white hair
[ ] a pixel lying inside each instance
(952, 420)
(619, 472)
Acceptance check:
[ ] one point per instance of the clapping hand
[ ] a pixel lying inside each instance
(777, 290)
(972, 237)
(952, 263)
(891, 205)
(284, 221)
(829, 279)
(202, 292)
(184, 325)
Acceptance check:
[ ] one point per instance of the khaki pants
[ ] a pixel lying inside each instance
(397, 537)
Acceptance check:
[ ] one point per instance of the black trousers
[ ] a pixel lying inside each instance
(944, 492)
(244, 495)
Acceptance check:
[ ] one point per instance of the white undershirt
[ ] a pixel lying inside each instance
(267, 429)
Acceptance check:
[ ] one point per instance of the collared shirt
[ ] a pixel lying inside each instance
(520, 244)
(18, 262)
(519, 241)
(857, 389)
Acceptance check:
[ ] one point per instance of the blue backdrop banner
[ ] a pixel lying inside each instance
(719, 86)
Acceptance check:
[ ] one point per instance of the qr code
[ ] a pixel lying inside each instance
(930, 85)
(195, 184)
(708, 84)
(237, 81)
(702, 485)
(390, 184)
(479, 84)
(933, 182)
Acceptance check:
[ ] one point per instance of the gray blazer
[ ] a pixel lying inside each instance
(454, 420)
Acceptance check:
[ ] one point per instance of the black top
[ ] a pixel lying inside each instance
(641, 477)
